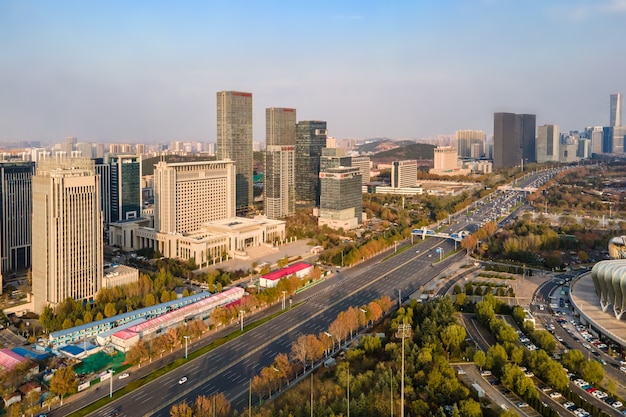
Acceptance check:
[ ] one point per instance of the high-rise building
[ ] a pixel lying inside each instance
(280, 126)
(547, 143)
(334, 158)
(67, 243)
(513, 139)
(466, 139)
(310, 140)
(15, 215)
(613, 139)
(341, 201)
(234, 141)
(125, 187)
(445, 159)
(615, 118)
(103, 171)
(363, 163)
(279, 182)
(404, 174)
(188, 194)
(279, 179)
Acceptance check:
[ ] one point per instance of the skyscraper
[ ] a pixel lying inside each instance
(363, 163)
(103, 171)
(279, 180)
(334, 158)
(615, 118)
(67, 232)
(404, 174)
(234, 141)
(15, 215)
(466, 139)
(513, 139)
(279, 187)
(547, 143)
(310, 140)
(125, 187)
(341, 200)
(280, 126)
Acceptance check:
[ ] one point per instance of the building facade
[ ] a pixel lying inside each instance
(15, 215)
(341, 201)
(513, 139)
(310, 140)
(188, 194)
(547, 147)
(615, 117)
(234, 141)
(470, 143)
(404, 174)
(279, 187)
(103, 171)
(125, 174)
(334, 158)
(364, 165)
(280, 126)
(67, 232)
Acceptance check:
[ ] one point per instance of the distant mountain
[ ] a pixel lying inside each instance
(387, 151)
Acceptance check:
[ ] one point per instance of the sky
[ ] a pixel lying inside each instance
(148, 71)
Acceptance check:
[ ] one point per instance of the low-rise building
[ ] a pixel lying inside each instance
(300, 270)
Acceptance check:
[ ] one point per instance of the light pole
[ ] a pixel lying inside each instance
(364, 311)
(284, 292)
(241, 313)
(332, 340)
(186, 339)
(111, 371)
(404, 331)
(395, 246)
(399, 298)
(440, 251)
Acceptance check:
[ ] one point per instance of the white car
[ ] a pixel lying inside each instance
(124, 375)
(182, 380)
(555, 394)
(616, 404)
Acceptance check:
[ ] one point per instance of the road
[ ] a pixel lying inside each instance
(229, 368)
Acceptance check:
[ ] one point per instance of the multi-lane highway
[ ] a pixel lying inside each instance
(229, 368)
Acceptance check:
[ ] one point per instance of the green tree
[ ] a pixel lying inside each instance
(496, 357)
(149, 300)
(99, 316)
(480, 359)
(87, 317)
(64, 382)
(110, 310)
(592, 372)
(470, 408)
(452, 336)
(67, 324)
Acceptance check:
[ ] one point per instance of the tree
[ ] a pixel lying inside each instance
(215, 405)
(592, 371)
(452, 336)
(181, 410)
(67, 324)
(299, 350)
(480, 359)
(87, 317)
(496, 357)
(99, 316)
(149, 300)
(110, 310)
(470, 408)
(137, 353)
(64, 382)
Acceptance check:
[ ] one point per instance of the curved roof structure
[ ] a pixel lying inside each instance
(609, 280)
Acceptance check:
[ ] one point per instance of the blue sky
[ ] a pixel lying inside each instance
(148, 71)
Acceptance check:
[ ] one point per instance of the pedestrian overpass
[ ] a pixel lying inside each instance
(425, 232)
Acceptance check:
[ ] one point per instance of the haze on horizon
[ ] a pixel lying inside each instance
(148, 71)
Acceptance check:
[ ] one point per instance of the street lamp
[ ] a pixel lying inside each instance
(111, 371)
(440, 252)
(332, 340)
(404, 331)
(241, 314)
(284, 292)
(186, 339)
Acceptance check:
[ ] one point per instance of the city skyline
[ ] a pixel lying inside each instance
(148, 72)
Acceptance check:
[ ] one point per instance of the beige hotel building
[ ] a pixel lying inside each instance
(194, 216)
(67, 245)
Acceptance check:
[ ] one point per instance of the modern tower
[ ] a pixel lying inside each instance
(234, 141)
(280, 126)
(334, 158)
(15, 215)
(341, 201)
(310, 140)
(547, 143)
(67, 232)
(363, 163)
(513, 139)
(103, 171)
(125, 187)
(188, 194)
(615, 118)
(466, 141)
(279, 182)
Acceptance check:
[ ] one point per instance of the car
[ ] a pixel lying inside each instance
(124, 375)
(430, 255)
(522, 404)
(555, 394)
(616, 404)
(546, 389)
(182, 380)
(529, 374)
(485, 373)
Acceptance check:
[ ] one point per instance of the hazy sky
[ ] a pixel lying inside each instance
(148, 71)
